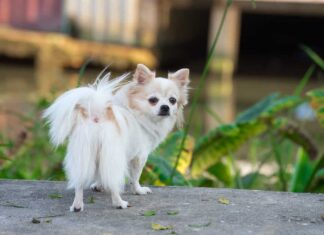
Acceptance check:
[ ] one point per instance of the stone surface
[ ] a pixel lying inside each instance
(199, 211)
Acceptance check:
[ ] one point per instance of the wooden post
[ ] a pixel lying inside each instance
(220, 97)
(49, 70)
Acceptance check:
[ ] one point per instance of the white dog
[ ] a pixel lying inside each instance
(112, 128)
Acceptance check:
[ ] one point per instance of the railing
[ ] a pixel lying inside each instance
(131, 22)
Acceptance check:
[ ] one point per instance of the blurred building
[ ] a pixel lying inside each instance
(176, 29)
(258, 48)
(119, 21)
(40, 15)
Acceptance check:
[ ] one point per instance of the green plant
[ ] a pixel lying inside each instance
(270, 119)
(317, 102)
(31, 156)
(304, 172)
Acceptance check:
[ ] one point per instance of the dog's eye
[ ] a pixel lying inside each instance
(173, 100)
(153, 100)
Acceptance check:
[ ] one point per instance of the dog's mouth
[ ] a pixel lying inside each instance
(164, 114)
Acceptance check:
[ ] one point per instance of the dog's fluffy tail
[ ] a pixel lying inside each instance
(62, 114)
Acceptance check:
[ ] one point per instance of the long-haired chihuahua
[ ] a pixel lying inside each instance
(113, 126)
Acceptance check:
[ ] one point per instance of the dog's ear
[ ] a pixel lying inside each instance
(181, 77)
(143, 74)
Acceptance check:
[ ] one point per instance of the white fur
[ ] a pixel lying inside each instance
(109, 140)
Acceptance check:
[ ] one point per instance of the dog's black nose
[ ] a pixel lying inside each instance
(164, 108)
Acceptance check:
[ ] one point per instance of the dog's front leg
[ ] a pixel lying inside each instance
(117, 201)
(136, 168)
(78, 200)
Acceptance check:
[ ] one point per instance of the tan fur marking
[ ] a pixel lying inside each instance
(82, 111)
(135, 93)
(111, 117)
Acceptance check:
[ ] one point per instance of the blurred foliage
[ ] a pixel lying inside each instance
(300, 167)
(31, 155)
(267, 125)
(317, 102)
(268, 130)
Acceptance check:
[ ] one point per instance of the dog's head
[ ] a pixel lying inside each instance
(157, 97)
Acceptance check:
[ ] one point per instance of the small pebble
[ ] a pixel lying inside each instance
(35, 221)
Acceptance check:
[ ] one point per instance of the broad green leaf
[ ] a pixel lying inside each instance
(281, 104)
(211, 147)
(228, 129)
(170, 148)
(303, 171)
(226, 139)
(223, 172)
(163, 169)
(269, 107)
(161, 161)
(317, 173)
(249, 179)
(257, 109)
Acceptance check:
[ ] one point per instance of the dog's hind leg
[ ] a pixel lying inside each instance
(113, 163)
(112, 172)
(80, 164)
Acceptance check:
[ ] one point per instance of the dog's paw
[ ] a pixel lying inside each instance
(77, 207)
(121, 204)
(143, 190)
(96, 188)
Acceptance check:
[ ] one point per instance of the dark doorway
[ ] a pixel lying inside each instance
(270, 44)
(185, 41)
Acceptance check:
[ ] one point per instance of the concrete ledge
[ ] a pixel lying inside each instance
(196, 211)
